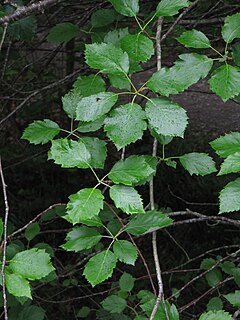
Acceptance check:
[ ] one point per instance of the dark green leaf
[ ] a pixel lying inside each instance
(84, 204)
(127, 199)
(148, 222)
(233, 298)
(236, 275)
(83, 312)
(107, 58)
(215, 304)
(100, 267)
(198, 163)
(225, 81)
(231, 164)
(189, 69)
(119, 82)
(214, 277)
(98, 151)
(63, 32)
(230, 197)
(93, 107)
(132, 170)
(32, 231)
(128, 8)
(227, 145)
(207, 263)
(41, 131)
(125, 124)
(231, 28)
(236, 53)
(32, 264)
(69, 102)
(90, 126)
(115, 36)
(126, 282)
(102, 17)
(194, 39)
(24, 29)
(89, 85)
(81, 238)
(114, 304)
(125, 251)
(139, 47)
(166, 117)
(17, 285)
(170, 7)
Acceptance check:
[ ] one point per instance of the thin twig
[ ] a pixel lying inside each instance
(160, 296)
(4, 186)
(3, 35)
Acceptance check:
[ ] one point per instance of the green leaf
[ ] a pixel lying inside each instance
(228, 267)
(194, 39)
(69, 153)
(198, 163)
(84, 204)
(215, 315)
(90, 126)
(225, 82)
(81, 238)
(138, 47)
(231, 28)
(32, 264)
(125, 124)
(114, 304)
(214, 277)
(166, 117)
(17, 285)
(207, 263)
(24, 29)
(119, 81)
(83, 312)
(41, 131)
(152, 220)
(236, 275)
(69, 102)
(32, 231)
(107, 58)
(100, 267)
(230, 197)
(127, 199)
(93, 107)
(125, 251)
(126, 282)
(215, 304)
(98, 151)
(236, 53)
(233, 298)
(89, 85)
(189, 69)
(231, 164)
(63, 32)
(132, 170)
(31, 313)
(163, 140)
(102, 18)
(167, 8)
(227, 145)
(127, 8)
(115, 36)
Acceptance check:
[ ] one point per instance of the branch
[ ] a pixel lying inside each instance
(24, 11)
(4, 244)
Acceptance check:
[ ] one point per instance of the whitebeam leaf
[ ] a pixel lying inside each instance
(114, 304)
(98, 151)
(81, 238)
(227, 145)
(127, 199)
(70, 153)
(230, 197)
(233, 298)
(41, 131)
(198, 163)
(89, 85)
(167, 8)
(189, 69)
(216, 315)
(93, 107)
(125, 124)
(139, 47)
(225, 81)
(100, 267)
(32, 264)
(125, 251)
(231, 164)
(231, 28)
(127, 8)
(132, 170)
(194, 39)
(166, 117)
(69, 103)
(17, 285)
(152, 220)
(84, 204)
(107, 58)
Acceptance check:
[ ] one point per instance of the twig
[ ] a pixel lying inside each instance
(23, 11)
(160, 296)
(4, 186)
(3, 35)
